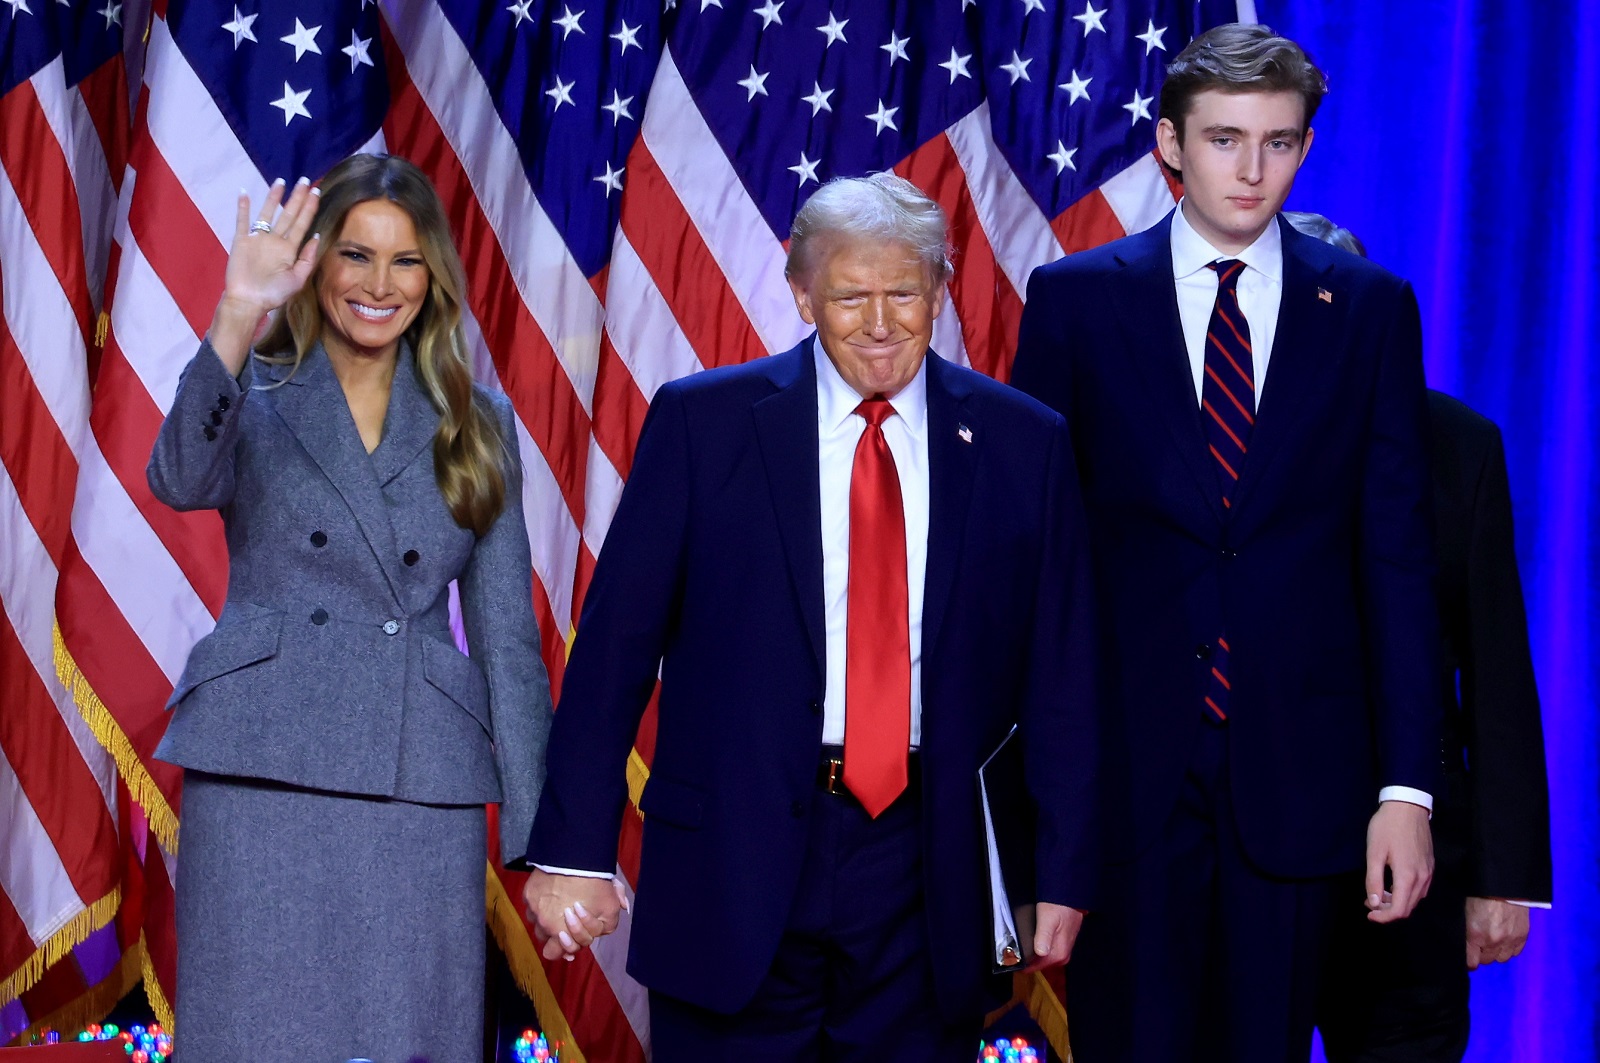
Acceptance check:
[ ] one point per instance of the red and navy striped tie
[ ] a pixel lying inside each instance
(1228, 408)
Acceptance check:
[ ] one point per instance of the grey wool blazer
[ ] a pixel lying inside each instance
(332, 665)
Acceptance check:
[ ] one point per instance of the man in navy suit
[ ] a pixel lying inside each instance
(855, 567)
(1247, 409)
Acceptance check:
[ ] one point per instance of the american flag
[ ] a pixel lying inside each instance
(620, 177)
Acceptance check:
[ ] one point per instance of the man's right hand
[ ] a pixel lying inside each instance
(569, 912)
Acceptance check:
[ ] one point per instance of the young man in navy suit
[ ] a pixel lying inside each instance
(855, 567)
(1248, 414)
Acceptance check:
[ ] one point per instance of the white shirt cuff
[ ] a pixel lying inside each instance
(1530, 904)
(1407, 794)
(575, 872)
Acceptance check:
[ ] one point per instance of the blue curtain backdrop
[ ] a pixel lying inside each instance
(1461, 142)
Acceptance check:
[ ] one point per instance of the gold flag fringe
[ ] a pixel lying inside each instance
(523, 958)
(152, 991)
(1051, 1015)
(93, 1005)
(141, 787)
(59, 946)
(638, 775)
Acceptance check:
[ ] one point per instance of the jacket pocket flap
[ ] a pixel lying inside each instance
(458, 677)
(228, 648)
(672, 802)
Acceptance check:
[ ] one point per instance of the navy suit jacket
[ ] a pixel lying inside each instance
(712, 572)
(1319, 575)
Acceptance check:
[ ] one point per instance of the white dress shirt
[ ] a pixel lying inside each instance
(839, 429)
(1260, 288)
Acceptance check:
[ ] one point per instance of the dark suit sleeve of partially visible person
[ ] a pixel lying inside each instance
(1060, 714)
(1505, 744)
(622, 633)
(192, 463)
(1400, 612)
(503, 635)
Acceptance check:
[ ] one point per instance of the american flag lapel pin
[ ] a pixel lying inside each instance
(964, 432)
(1325, 295)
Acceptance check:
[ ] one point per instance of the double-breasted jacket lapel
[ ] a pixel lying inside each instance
(786, 427)
(312, 405)
(952, 461)
(1145, 300)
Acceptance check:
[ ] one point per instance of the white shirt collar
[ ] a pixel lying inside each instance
(1191, 252)
(837, 400)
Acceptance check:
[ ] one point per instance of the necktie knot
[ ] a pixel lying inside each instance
(876, 410)
(1228, 270)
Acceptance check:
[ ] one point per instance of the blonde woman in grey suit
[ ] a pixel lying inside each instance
(338, 749)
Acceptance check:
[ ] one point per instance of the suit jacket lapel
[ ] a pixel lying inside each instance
(312, 404)
(952, 460)
(1145, 299)
(786, 426)
(1307, 327)
(410, 423)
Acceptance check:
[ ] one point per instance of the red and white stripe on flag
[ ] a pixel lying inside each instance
(60, 878)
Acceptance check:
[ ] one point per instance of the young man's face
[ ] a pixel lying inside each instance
(1239, 155)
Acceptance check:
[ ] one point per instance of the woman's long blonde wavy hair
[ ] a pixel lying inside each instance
(471, 455)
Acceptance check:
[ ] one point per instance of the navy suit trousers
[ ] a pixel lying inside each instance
(853, 978)
(1220, 961)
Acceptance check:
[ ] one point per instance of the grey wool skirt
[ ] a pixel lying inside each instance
(317, 927)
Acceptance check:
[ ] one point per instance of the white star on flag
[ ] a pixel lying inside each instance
(521, 12)
(1062, 157)
(755, 84)
(884, 117)
(1152, 37)
(957, 65)
(628, 37)
(1139, 108)
(568, 22)
(1017, 68)
(562, 93)
(1092, 20)
(769, 13)
(112, 13)
(1031, 5)
(357, 51)
(1076, 89)
(612, 179)
(293, 104)
(240, 27)
(834, 30)
(618, 107)
(303, 39)
(18, 5)
(896, 47)
(818, 99)
(806, 169)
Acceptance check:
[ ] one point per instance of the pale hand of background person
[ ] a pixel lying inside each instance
(569, 912)
(1496, 930)
(1398, 838)
(1055, 930)
(264, 267)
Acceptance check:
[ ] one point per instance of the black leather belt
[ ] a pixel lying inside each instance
(830, 771)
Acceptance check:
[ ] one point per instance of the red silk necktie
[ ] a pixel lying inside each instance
(877, 714)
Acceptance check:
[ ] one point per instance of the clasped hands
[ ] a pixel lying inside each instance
(569, 912)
